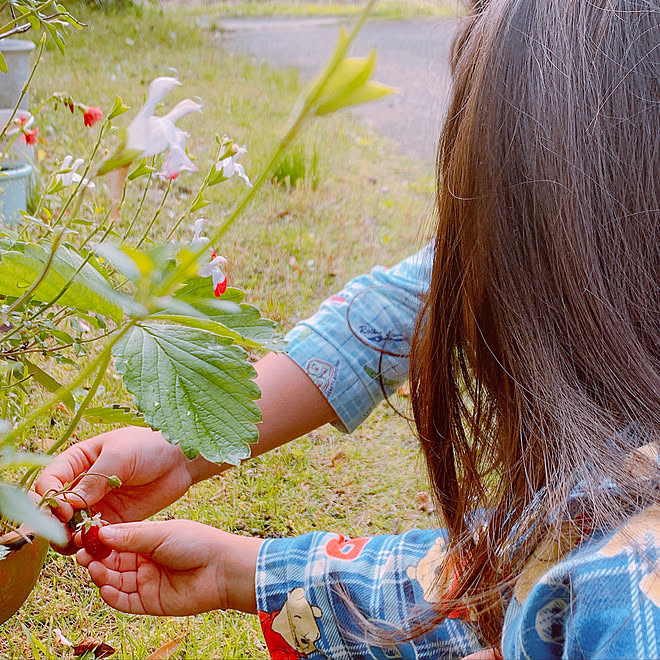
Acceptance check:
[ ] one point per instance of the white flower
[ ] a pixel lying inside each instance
(68, 175)
(198, 226)
(151, 135)
(228, 166)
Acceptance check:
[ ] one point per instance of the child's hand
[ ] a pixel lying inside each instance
(153, 473)
(174, 568)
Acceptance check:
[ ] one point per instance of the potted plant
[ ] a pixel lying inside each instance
(81, 292)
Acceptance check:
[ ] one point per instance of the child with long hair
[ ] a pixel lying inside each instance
(534, 378)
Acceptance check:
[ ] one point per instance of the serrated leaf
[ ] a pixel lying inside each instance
(89, 291)
(229, 310)
(201, 323)
(3, 64)
(115, 414)
(16, 506)
(199, 391)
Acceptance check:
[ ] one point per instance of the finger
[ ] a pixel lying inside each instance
(142, 537)
(124, 602)
(70, 548)
(63, 470)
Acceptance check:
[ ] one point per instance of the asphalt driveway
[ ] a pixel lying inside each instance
(412, 56)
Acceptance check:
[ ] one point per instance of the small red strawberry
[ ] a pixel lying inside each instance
(89, 532)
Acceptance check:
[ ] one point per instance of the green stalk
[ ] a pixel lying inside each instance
(33, 287)
(145, 234)
(30, 475)
(138, 211)
(40, 52)
(57, 396)
(295, 125)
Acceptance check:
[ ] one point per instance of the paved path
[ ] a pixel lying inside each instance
(412, 56)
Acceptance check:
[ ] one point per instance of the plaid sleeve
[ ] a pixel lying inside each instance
(341, 346)
(303, 585)
(602, 601)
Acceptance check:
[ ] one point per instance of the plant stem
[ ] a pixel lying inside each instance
(40, 52)
(33, 287)
(140, 205)
(299, 117)
(156, 215)
(57, 396)
(106, 355)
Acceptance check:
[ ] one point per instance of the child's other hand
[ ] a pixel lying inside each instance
(174, 568)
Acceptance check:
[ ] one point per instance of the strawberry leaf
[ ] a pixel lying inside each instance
(199, 391)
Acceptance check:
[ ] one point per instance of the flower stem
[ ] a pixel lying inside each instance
(156, 215)
(305, 109)
(103, 363)
(103, 358)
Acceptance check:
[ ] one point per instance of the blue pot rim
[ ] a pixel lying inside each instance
(15, 171)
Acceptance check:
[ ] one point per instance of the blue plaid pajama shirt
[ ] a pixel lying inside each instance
(599, 600)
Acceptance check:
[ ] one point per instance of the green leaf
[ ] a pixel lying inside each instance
(229, 310)
(141, 169)
(370, 91)
(11, 459)
(3, 64)
(88, 291)
(208, 325)
(199, 202)
(350, 85)
(199, 391)
(115, 414)
(16, 506)
(47, 381)
(118, 108)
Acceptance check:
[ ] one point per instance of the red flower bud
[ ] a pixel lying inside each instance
(91, 114)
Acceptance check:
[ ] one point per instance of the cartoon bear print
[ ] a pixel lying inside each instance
(436, 578)
(292, 632)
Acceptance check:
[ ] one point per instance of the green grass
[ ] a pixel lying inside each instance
(367, 208)
(385, 9)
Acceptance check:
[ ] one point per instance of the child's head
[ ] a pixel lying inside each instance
(537, 357)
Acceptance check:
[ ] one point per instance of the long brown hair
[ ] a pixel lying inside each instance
(535, 362)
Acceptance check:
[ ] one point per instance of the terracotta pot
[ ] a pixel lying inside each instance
(19, 570)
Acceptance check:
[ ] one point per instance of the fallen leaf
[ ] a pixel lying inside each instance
(423, 502)
(293, 262)
(96, 646)
(339, 456)
(166, 650)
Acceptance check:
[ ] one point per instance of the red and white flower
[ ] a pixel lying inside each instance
(213, 268)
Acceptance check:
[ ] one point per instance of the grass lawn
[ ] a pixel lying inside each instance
(384, 9)
(290, 249)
